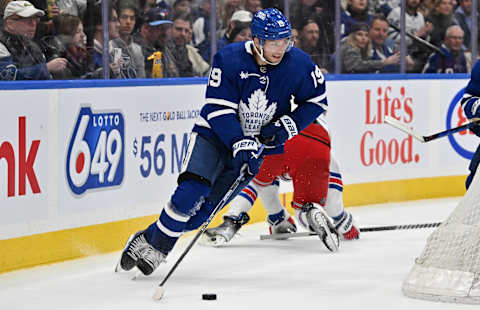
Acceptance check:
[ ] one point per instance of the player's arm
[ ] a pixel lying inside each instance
(221, 114)
(312, 101)
(220, 111)
(471, 99)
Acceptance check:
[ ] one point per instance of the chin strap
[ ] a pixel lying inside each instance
(260, 53)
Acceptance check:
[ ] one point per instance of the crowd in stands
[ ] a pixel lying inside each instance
(63, 39)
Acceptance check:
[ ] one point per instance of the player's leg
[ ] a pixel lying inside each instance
(344, 222)
(266, 182)
(473, 167)
(147, 249)
(233, 219)
(308, 155)
(237, 214)
(278, 218)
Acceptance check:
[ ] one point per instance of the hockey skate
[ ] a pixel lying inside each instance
(282, 225)
(138, 252)
(319, 222)
(346, 226)
(223, 233)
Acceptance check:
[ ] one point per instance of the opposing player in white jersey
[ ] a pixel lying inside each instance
(316, 180)
(248, 97)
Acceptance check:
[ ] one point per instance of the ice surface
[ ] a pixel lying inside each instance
(249, 273)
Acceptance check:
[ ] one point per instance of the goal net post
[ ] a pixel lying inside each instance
(448, 269)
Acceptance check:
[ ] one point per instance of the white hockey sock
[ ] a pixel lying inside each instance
(270, 198)
(244, 201)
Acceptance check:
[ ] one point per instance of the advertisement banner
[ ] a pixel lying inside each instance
(83, 156)
(24, 165)
(370, 150)
(122, 149)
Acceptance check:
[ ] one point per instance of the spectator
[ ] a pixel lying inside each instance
(20, 57)
(181, 6)
(45, 25)
(383, 7)
(68, 43)
(302, 10)
(133, 63)
(426, 7)
(354, 51)
(229, 7)
(253, 6)
(113, 33)
(453, 60)
(382, 48)
(356, 13)
(309, 43)
(414, 24)
(180, 36)
(3, 4)
(441, 17)
(239, 24)
(199, 65)
(463, 17)
(72, 7)
(201, 29)
(153, 37)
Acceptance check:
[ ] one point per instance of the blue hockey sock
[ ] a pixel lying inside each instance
(185, 202)
(164, 233)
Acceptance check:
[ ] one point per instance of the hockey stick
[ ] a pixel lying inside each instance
(401, 126)
(363, 229)
(160, 291)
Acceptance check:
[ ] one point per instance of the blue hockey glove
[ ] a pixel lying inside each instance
(245, 152)
(277, 133)
(471, 107)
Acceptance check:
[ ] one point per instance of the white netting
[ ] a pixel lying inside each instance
(449, 267)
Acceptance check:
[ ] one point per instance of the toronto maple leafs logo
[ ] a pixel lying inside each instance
(256, 113)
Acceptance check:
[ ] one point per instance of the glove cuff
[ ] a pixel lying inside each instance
(289, 125)
(244, 144)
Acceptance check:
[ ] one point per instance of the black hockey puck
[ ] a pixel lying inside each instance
(209, 296)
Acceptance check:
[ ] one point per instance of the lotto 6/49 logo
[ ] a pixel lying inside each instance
(464, 142)
(95, 155)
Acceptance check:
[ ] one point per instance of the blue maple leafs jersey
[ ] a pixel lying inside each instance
(242, 96)
(470, 100)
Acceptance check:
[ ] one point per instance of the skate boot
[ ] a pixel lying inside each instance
(149, 261)
(346, 226)
(133, 250)
(223, 233)
(281, 223)
(319, 222)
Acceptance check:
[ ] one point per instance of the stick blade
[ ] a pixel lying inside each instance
(401, 126)
(159, 292)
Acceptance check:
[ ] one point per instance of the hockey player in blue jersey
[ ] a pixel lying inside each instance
(248, 96)
(470, 104)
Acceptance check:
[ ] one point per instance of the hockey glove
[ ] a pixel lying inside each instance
(277, 133)
(471, 108)
(245, 152)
